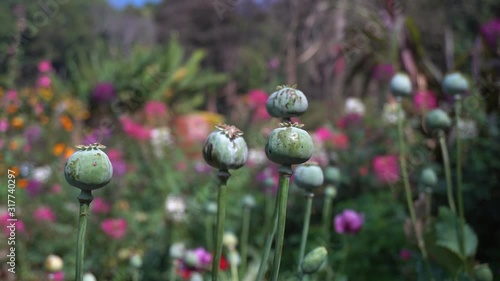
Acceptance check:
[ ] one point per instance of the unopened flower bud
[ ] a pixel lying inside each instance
(400, 85)
(136, 261)
(89, 277)
(230, 240)
(53, 263)
(249, 201)
(314, 260)
(331, 192)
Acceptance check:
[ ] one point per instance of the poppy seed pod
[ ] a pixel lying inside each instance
(400, 85)
(88, 168)
(332, 175)
(331, 192)
(308, 176)
(455, 84)
(428, 177)
(286, 102)
(436, 120)
(225, 148)
(314, 260)
(483, 272)
(289, 145)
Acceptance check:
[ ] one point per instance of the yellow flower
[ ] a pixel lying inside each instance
(58, 149)
(17, 122)
(180, 74)
(46, 94)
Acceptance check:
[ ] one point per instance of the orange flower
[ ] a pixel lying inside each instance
(17, 122)
(68, 152)
(15, 169)
(66, 123)
(22, 183)
(12, 109)
(13, 145)
(58, 149)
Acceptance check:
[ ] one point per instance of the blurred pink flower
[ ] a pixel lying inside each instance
(114, 228)
(56, 276)
(257, 100)
(405, 254)
(5, 223)
(425, 99)
(4, 125)
(56, 188)
(116, 158)
(135, 130)
(44, 66)
(491, 34)
(273, 63)
(155, 109)
(11, 95)
(44, 214)
(34, 187)
(349, 221)
(100, 206)
(383, 71)
(340, 141)
(104, 92)
(386, 168)
(349, 120)
(323, 134)
(44, 81)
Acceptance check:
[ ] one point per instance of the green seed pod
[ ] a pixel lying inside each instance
(211, 208)
(289, 145)
(332, 175)
(428, 177)
(88, 168)
(455, 84)
(400, 85)
(308, 176)
(249, 201)
(314, 260)
(331, 192)
(225, 148)
(436, 120)
(482, 272)
(286, 102)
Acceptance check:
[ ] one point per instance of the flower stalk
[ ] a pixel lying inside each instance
(269, 241)
(305, 230)
(223, 176)
(85, 198)
(447, 170)
(459, 178)
(247, 211)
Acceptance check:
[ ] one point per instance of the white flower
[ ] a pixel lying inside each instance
(390, 114)
(89, 277)
(467, 129)
(354, 105)
(42, 174)
(175, 207)
(160, 138)
(177, 250)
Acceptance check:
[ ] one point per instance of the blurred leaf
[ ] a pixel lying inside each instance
(446, 233)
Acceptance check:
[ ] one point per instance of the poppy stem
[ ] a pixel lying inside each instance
(459, 182)
(307, 218)
(223, 176)
(247, 211)
(85, 198)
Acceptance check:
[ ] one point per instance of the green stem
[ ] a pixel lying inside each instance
(459, 179)
(283, 186)
(223, 176)
(85, 198)
(305, 229)
(244, 238)
(173, 268)
(234, 267)
(346, 254)
(327, 218)
(269, 241)
(406, 183)
(447, 171)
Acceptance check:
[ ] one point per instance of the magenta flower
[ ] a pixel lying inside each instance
(323, 134)
(273, 63)
(104, 92)
(56, 276)
(100, 206)
(11, 95)
(135, 130)
(4, 125)
(44, 214)
(32, 134)
(257, 100)
(44, 81)
(34, 187)
(383, 72)
(198, 257)
(114, 228)
(5, 224)
(405, 254)
(491, 34)
(116, 158)
(44, 66)
(155, 109)
(349, 222)
(386, 168)
(425, 99)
